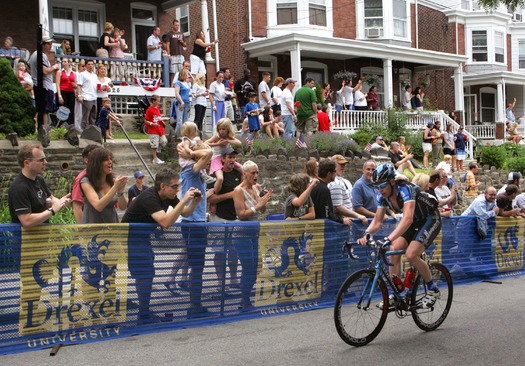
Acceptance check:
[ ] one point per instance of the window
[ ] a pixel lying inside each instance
(183, 15)
(522, 54)
(400, 18)
(286, 12)
(488, 107)
(479, 46)
(499, 47)
(374, 14)
(317, 12)
(78, 23)
(140, 13)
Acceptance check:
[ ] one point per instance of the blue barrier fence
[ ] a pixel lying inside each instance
(68, 284)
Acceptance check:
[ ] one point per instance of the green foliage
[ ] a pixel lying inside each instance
(16, 108)
(494, 156)
(361, 137)
(58, 133)
(132, 135)
(64, 217)
(493, 4)
(319, 93)
(415, 141)
(331, 143)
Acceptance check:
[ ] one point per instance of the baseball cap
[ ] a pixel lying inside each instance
(228, 151)
(460, 128)
(379, 137)
(340, 159)
(289, 80)
(138, 174)
(513, 176)
(430, 123)
(47, 40)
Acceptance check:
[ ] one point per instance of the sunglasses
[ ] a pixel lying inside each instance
(382, 186)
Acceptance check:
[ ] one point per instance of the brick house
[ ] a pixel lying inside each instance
(467, 59)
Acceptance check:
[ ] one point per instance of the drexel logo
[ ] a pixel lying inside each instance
(78, 286)
(509, 252)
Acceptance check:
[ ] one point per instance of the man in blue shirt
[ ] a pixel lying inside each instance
(484, 206)
(364, 194)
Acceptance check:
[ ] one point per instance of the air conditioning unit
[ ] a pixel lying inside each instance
(373, 32)
(517, 17)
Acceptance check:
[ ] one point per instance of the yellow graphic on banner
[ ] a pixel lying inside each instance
(509, 234)
(72, 277)
(290, 265)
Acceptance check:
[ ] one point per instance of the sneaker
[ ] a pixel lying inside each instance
(208, 179)
(160, 161)
(430, 298)
(391, 302)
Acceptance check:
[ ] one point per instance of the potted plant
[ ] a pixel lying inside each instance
(370, 79)
(345, 75)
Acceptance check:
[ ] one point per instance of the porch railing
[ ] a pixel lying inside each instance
(123, 71)
(348, 122)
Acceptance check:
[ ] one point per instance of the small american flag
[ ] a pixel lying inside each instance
(368, 147)
(300, 144)
(249, 141)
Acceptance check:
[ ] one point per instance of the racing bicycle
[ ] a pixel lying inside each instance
(363, 301)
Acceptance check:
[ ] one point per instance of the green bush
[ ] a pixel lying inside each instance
(415, 140)
(494, 155)
(517, 164)
(319, 93)
(361, 138)
(16, 108)
(331, 143)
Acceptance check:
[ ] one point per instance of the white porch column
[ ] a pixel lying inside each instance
(295, 64)
(206, 27)
(43, 17)
(500, 101)
(388, 83)
(458, 90)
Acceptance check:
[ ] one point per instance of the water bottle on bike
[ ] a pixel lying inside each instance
(409, 278)
(398, 283)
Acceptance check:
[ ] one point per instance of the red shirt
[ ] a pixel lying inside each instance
(151, 113)
(324, 121)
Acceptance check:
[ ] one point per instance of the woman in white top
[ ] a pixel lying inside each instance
(275, 94)
(360, 103)
(199, 94)
(217, 95)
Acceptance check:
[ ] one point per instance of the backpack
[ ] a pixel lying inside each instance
(464, 179)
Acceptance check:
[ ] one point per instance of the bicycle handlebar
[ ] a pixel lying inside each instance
(371, 243)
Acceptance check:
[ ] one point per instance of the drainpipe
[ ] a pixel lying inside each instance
(417, 25)
(217, 67)
(250, 34)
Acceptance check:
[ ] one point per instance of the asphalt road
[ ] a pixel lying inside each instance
(485, 327)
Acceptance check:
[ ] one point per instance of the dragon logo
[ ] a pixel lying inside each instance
(509, 238)
(279, 260)
(93, 271)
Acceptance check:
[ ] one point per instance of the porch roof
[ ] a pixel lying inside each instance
(497, 77)
(341, 49)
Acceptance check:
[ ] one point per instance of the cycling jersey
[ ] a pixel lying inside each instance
(426, 220)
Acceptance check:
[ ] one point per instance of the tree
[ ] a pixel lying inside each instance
(493, 4)
(16, 108)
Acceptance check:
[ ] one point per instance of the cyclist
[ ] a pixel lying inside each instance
(417, 229)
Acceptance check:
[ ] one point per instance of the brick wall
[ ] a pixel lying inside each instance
(434, 31)
(344, 19)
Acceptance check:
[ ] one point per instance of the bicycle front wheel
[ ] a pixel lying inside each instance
(432, 317)
(360, 310)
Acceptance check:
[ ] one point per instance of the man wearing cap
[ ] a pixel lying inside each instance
(512, 178)
(379, 144)
(44, 102)
(306, 102)
(427, 143)
(287, 108)
(505, 202)
(225, 212)
(137, 188)
(460, 141)
(341, 191)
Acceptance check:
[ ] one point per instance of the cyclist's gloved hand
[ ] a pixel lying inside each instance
(386, 242)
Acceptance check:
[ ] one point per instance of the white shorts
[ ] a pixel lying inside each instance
(427, 147)
(156, 141)
(461, 155)
(197, 65)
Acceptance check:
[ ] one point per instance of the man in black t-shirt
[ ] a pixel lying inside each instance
(151, 206)
(30, 201)
(400, 162)
(243, 87)
(225, 212)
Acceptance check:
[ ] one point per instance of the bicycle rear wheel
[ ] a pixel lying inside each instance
(358, 315)
(431, 318)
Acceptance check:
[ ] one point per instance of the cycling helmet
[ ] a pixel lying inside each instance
(383, 173)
